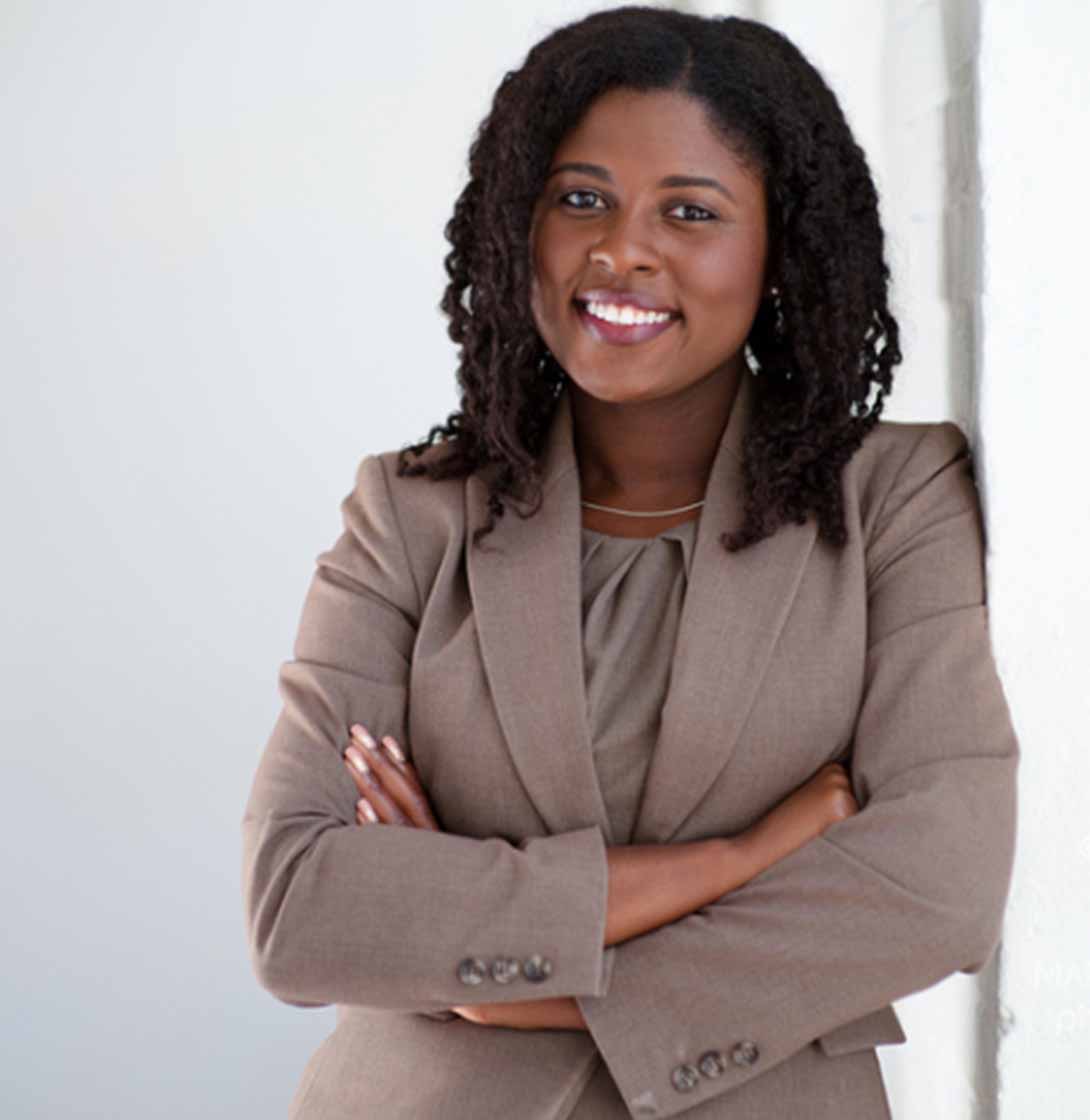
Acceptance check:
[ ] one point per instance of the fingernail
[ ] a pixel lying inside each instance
(366, 809)
(391, 745)
(358, 761)
(364, 737)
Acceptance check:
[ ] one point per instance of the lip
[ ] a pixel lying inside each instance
(624, 334)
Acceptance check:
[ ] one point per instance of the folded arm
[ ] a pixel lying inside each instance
(384, 916)
(652, 885)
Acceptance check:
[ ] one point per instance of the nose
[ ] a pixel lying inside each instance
(625, 246)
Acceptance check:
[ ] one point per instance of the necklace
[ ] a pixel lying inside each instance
(639, 513)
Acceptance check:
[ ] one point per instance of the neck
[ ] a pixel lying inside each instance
(654, 454)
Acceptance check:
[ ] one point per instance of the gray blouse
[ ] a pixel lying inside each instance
(632, 596)
(632, 593)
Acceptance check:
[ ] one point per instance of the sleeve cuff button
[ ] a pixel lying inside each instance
(472, 970)
(537, 968)
(745, 1053)
(685, 1078)
(505, 969)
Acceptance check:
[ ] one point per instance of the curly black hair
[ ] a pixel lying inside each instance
(823, 347)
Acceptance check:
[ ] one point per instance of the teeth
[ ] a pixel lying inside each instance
(626, 314)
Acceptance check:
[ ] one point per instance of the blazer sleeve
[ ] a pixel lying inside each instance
(382, 915)
(888, 902)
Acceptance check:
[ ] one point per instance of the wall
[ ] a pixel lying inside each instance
(1035, 115)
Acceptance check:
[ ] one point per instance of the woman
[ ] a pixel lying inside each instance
(698, 761)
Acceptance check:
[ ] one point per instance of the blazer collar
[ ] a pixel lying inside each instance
(525, 586)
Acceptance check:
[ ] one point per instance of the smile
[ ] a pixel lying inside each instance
(624, 325)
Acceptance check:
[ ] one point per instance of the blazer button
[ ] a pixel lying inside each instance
(505, 969)
(537, 968)
(472, 970)
(684, 1078)
(712, 1063)
(745, 1053)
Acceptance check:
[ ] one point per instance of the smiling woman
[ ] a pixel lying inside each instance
(696, 765)
(646, 207)
(655, 160)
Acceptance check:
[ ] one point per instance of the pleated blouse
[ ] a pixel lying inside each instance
(632, 593)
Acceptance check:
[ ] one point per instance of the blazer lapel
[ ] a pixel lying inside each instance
(526, 590)
(525, 581)
(734, 608)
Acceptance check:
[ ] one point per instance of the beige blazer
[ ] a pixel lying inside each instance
(768, 1002)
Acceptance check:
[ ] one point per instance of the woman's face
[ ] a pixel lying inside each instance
(623, 215)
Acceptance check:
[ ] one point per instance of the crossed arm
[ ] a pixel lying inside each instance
(650, 885)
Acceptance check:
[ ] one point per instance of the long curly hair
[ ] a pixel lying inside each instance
(822, 348)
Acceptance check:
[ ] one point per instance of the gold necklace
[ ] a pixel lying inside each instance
(644, 513)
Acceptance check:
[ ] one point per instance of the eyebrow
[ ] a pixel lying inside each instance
(598, 172)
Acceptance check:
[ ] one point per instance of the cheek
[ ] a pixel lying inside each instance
(549, 301)
(731, 276)
(541, 273)
(556, 257)
(547, 259)
(543, 298)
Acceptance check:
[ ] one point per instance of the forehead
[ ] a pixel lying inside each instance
(661, 131)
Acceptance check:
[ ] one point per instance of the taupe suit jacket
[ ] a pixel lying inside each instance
(789, 654)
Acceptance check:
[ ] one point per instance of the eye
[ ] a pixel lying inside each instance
(576, 194)
(693, 212)
(702, 214)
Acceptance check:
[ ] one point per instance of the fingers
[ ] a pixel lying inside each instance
(475, 1013)
(373, 784)
(387, 782)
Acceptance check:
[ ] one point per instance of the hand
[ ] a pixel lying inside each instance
(391, 792)
(803, 815)
(823, 800)
(552, 1013)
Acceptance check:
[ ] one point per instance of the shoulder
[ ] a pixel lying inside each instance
(397, 529)
(905, 465)
(424, 515)
(378, 481)
(919, 520)
(416, 497)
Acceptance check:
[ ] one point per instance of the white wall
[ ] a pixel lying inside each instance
(222, 233)
(1034, 121)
